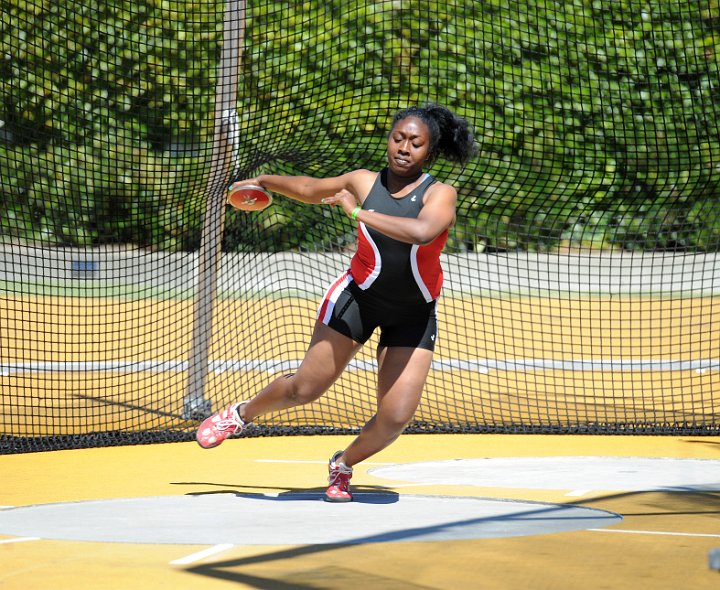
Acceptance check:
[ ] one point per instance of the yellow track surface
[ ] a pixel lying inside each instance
(662, 543)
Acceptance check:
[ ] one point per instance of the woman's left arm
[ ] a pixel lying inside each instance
(437, 214)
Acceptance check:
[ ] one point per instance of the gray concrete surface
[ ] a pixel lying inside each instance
(295, 519)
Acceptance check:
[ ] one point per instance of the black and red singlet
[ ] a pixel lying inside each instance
(390, 285)
(388, 268)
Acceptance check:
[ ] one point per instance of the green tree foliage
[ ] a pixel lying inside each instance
(597, 121)
(92, 97)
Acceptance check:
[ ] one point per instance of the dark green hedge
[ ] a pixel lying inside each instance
(597, 121)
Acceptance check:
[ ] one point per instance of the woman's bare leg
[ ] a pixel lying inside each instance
(402, 373)
(328, 354)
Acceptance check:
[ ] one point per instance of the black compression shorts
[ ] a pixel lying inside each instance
(357, 316)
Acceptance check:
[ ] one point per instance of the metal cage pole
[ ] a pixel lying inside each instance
(195, 404)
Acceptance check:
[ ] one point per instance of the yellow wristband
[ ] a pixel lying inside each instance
(355, 212)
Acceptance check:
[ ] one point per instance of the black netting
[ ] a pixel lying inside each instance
(582, 275)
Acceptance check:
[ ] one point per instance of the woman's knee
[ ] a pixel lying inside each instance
(301, 392)
(394, 419)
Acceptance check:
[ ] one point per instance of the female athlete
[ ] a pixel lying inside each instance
(393, 284)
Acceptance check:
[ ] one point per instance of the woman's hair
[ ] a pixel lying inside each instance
(450, 134)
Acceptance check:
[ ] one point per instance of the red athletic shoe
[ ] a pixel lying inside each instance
(220, 426)
(339, 478)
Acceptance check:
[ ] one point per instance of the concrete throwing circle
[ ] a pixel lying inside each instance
(295, 519)
(564, 473)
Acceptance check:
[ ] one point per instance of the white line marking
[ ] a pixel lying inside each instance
(414, 485)
(19, 540)
(202, 554)
(629, 532)
(310, 462)
(289, 461)
(576, 493)
(281, 365)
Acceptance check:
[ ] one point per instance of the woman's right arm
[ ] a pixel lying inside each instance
(311, 190)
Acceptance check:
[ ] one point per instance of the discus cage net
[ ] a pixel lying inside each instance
(581, 277)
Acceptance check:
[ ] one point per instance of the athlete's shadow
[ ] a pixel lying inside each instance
(361, 494)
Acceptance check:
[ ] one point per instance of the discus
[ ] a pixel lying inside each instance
(249, 197)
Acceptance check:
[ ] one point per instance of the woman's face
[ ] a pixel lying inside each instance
(408, 146)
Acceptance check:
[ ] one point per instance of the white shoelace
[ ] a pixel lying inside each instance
(337, 471)
(233, 423)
